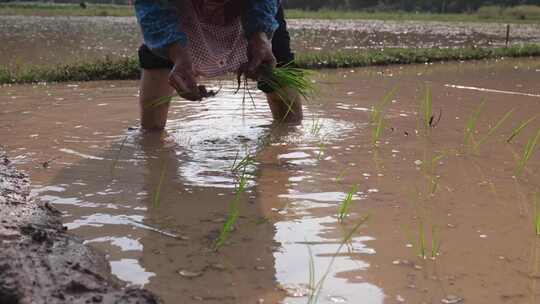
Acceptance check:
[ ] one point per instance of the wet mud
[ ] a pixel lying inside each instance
(40, 262)
(446, 224)
(63, 40)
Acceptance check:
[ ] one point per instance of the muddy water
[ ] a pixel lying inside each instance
(52, 40)
(104, 175)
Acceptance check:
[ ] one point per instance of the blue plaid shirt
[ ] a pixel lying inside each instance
(159, 21)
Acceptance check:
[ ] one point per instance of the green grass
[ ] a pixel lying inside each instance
(346, 204)
(527, 153)
(128, 68)
(524, 13)
(403, 16)
(518, 14)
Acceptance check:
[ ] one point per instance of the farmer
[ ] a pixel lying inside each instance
(185, 39)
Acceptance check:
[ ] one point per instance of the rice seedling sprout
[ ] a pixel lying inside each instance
(435, 243)
(426, 108)
(520, 128)
(492, 130)
(316, 290)
(377, 116)
(527, 153)
(346, 204)
(470, 127)
(156, 198)
(234, 212)
(536, 213)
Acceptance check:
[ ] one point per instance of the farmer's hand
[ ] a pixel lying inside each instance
(259, 54)
(183, 78)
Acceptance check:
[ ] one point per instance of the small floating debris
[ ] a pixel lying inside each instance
(296, 290)
(189, 274)
(337, 299)
(452, 299)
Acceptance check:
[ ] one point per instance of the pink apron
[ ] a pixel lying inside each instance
(216, 41)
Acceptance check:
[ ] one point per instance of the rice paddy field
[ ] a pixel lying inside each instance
(44, 41)
(403, 184)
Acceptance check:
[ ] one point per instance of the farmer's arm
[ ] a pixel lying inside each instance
(259, 23)
(160, 26)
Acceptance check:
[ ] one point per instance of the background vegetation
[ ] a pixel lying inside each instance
(440, 10)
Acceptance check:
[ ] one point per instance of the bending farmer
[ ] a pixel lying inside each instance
(184, 39)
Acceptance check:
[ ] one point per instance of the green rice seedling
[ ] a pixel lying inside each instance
(204, 93)
(435, 242)
(283, 78)
(431, 172)
(519, 128)
(316, 126)
(322, 148)
(117, 157)
(156, 198)
(377, 116)
(346, 204)
(470, 127)
(316, 290)
(527, 153)
(311, 267)
(234, 212)
(245, 162)
(536, 213)
(160, 101)
(426, 108)
(492, 130)
(340, 176)
(421, 244)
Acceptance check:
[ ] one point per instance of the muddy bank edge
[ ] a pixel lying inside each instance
(128, 68)
(40, 262)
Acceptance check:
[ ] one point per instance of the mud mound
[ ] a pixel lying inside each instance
(40, 262)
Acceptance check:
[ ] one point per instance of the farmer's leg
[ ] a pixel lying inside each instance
(154, 85)
(288, 108)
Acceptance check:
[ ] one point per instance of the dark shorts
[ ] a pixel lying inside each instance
(280, 47)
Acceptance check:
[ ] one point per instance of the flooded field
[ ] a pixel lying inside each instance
(53, 40)
(447, 222)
